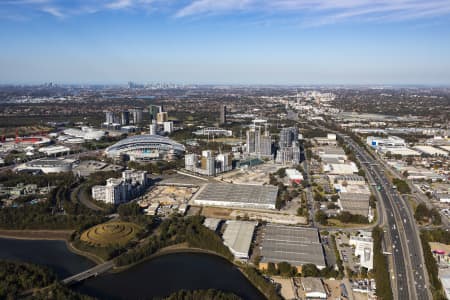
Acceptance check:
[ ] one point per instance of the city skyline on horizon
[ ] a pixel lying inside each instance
(230, 42)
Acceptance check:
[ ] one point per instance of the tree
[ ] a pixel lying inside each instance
(310, 270)
(285, 269)
(272, 269)
(321, 217)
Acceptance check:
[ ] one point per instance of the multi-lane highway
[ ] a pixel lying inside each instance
(402, 240)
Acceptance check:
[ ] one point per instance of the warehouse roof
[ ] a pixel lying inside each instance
(292, 244)
(238, 193)
(238, 237)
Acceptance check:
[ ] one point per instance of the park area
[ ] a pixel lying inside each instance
(110, 233)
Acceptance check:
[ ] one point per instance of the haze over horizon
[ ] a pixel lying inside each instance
(225, 42)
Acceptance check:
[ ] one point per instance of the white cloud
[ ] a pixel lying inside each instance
(322, 12)
(54, 11)
(213, 6)
(119, 4)
(304, 12)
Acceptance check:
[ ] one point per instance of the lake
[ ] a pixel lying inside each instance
(53, 254)
(158, 277)
(166, 274)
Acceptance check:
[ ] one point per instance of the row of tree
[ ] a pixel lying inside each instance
(177, 230)
(424, 214)
(380, 266)
(202, 295)
(432, 268)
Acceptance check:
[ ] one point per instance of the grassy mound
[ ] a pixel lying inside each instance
(110, 233)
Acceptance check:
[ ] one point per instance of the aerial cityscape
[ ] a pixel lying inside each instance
(225, 150)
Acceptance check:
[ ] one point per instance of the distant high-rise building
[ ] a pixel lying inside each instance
(258, 144)
(154, 110)
(125, 118)
(168, 126)
(136, 114)
(109, 117)
(266, 144)
(162, 117)
(153, 128)
(288, 136)
(289, 150)
(223, 114)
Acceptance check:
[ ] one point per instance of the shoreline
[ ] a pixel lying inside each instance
(31, 234)
(174, 249)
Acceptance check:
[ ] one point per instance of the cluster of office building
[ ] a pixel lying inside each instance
(124, 118)
(208, 163)
(120, 190)
(289, 148)
(258, 144)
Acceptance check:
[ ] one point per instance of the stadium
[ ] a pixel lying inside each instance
(146, 147)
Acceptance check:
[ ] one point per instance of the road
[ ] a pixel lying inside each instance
(94, 271)
(82, 198)
(419, 195)
(402, 239)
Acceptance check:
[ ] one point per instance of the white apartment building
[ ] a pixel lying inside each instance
(120, 190)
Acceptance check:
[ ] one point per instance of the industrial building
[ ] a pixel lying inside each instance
(294, 176)
(120, 190)
(347, 179)
(313, 288)
(330, 139)
(293, 244)
(47, 165)
(354, 198)
(432, 151)
(363, 244)
(391, 141)
(237, 195)
(238, 237)
(347, 168)
(146, 147)
(212, 223)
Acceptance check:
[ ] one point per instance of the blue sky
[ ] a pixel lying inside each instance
(225, 41)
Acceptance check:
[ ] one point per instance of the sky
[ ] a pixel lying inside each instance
(225, 41)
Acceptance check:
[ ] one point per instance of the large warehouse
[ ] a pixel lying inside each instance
(146, 147)
(238, 237)
(237, 195)
(296, 245)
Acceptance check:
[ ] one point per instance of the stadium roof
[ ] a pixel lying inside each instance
(292, 244)
(145, 140)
